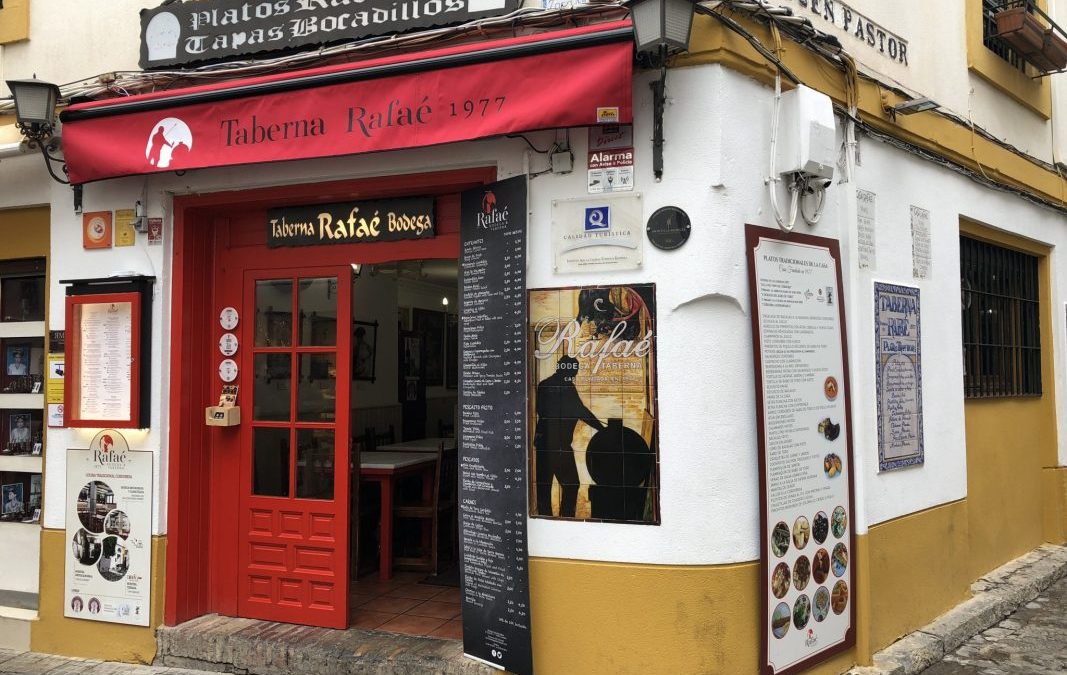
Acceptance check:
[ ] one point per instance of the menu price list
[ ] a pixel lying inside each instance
(806, 458)
(106, 357)
(492, 479)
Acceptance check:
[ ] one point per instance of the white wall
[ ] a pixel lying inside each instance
(717, 133)
(22, 562)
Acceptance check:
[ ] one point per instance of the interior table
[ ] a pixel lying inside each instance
(385, 468)
(418, 445)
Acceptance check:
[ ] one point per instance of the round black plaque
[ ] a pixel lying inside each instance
(668, 228)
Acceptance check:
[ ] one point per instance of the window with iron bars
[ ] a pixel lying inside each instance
(989, 32)
(1001, 326)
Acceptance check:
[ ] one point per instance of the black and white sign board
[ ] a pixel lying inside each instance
(492, 405)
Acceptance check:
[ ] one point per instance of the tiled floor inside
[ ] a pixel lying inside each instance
(403, 605)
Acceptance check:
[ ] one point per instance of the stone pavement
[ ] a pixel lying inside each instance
(1015, 587)
(31, 663)
(1032, 641)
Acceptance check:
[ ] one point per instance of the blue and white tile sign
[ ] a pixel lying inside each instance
(898, 353)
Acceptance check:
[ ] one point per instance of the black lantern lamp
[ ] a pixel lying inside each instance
(35, 115)
(662, 25)
(661, 28)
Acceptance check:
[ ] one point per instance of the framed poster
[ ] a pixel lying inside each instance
(107, 362)
(898, 376)
(592, 393)
(805, 449)
(430, 325)
(108, 571)
(364, 350)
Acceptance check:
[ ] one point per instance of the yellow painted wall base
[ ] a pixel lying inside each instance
(55, 634)
(1054, 484)
(614, 618)
(918, 570)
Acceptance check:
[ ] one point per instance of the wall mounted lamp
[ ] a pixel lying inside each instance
(661, 28)
(35, 115)
(910, 107)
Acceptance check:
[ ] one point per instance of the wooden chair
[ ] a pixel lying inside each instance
(446, 429)
(374, 439)
(438, 512)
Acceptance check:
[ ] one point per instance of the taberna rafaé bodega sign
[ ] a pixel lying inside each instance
(351, 222)
(180, 33)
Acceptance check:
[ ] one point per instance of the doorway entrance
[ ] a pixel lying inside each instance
(405, 577)
(264, 519)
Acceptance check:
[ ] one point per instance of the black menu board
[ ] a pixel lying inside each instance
(492, 402)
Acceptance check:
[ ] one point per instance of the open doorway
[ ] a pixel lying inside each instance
(404, 519)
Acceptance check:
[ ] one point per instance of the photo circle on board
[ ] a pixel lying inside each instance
(85, 547)
(801, 612)
(77, 604)
(820, 566)
(780, 539)
(801, 572)
(780, 620)
(839, 598)
(839, 560)
(94, 606)
(801, 532)
(829, 387)
(117, 523)
(821, 606)
(831, 465)
(839, 522)
(95, 500)
(780, 580)
(820, 527)
(114, 559)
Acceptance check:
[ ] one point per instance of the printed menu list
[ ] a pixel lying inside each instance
(106, 361)
(898, 376)
(492, 401)
(806, 475)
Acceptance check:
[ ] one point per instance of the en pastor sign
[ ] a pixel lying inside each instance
(176, 34)
(351, 222)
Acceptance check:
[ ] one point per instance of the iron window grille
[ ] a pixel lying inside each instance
(989, 35)
(1001, 321)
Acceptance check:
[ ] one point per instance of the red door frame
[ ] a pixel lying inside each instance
(201, 563)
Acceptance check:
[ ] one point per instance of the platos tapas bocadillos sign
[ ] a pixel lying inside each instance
(179, 33)
(351, 222)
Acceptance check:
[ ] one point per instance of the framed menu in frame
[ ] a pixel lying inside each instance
(804, 430)
(107, 347)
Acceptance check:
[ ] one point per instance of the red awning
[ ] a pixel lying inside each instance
(572, 78)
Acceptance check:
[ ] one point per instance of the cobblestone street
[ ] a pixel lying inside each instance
(1032, 641)
(29, 663)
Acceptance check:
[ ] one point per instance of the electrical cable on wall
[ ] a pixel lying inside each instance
(802, 31)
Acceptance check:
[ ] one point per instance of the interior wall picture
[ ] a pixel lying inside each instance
(593, 407)
(411, 366)
(23, 366)
(12, 496)
(364, 350)
(430, 325)
(22, 299)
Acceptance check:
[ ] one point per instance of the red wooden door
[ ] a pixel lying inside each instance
(295, 375)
